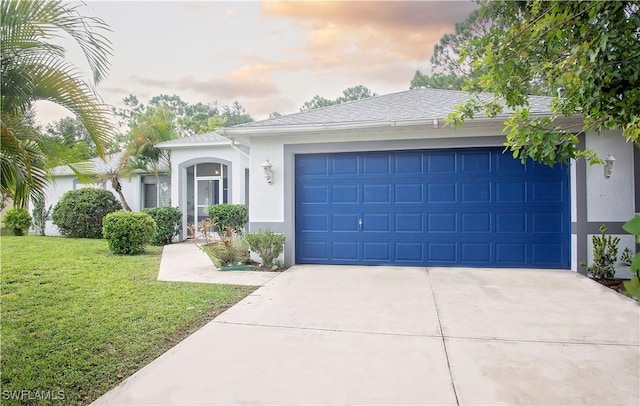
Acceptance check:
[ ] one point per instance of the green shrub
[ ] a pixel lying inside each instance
(79, 213)
(17, 220)
(229, 253)
(128, 232)
(605, 255)
(632, 287)
(266, 244)
(228, 215)
(168, 223)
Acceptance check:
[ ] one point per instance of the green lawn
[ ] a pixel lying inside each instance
(76, 319)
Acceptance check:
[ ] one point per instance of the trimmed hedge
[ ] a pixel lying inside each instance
(229, 215)
(128, 232)
(168, 223)
(79, 213)
(17, 220)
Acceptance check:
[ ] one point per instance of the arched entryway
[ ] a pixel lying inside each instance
(207, 184)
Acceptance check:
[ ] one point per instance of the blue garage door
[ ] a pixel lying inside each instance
(468, 207)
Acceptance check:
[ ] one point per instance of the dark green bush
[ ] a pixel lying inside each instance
(228, 215)
(128, 232)
(168, 222)
(79, 213)
(17, 220)
(266, 244)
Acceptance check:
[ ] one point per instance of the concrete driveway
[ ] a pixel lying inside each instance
(330, 335)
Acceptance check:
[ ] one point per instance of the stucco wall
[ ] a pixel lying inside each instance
(610, 199)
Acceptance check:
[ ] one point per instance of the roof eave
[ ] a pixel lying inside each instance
(170, 145)
(436, 122)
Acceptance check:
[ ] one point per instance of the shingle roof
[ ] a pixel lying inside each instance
(415, 104)
(206, 138)
(98, 166)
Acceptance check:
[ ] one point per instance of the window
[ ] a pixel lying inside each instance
(156, 191)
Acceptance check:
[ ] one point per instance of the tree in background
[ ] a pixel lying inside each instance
(70, 135)
(34, 68)
(591, 48)
(450, 70)
(188, 119)
(349, 94)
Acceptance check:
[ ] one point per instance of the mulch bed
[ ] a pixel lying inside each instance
(613, 284)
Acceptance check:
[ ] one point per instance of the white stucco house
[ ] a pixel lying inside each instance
(382, 181)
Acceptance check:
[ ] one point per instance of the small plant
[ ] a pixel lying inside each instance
(226, 254)
(168, 222)
(632, 287)
(626, 257)
(203, 230)
(79, 213)
(605, 255)
(228, 215)
(267, 244)
(40, 214)
(17, 220)
(127, 233)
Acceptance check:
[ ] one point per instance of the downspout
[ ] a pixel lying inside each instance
(234, 145)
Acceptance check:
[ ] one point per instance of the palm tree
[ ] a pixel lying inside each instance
(32, 69)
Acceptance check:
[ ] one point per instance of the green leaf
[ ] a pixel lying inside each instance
(633, 226)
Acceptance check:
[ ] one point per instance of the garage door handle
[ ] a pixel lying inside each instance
(360, 223)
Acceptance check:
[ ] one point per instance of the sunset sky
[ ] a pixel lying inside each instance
(270, 56)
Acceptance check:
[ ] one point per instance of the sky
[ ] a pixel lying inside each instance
(270, 56)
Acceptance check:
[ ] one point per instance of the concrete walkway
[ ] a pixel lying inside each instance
(328, 335)
(186, 262)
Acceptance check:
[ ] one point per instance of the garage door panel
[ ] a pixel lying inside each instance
(547, 223)
(376, 164)
(345, 165)
(441, 192)
(376, 223)
(315, 223)
(510, 254)
(543, 191)
(345, 222)
(377, 252)
(475, 192)
(409, 252)
(477, 161)
(442, 222)
(476, 223)
(314, 195)
(473, 207)
(409, 163)
(409, 223)
(442, 253)
(511, 223)
(315, 251)
(511, 192)
(476, 253)
(376, 194)
(346, 251)
(409, 193)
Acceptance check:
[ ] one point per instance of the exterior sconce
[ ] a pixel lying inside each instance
(268, 174)
(609, 162)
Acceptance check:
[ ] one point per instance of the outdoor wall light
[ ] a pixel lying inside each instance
(268, 174)
(609, 162)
